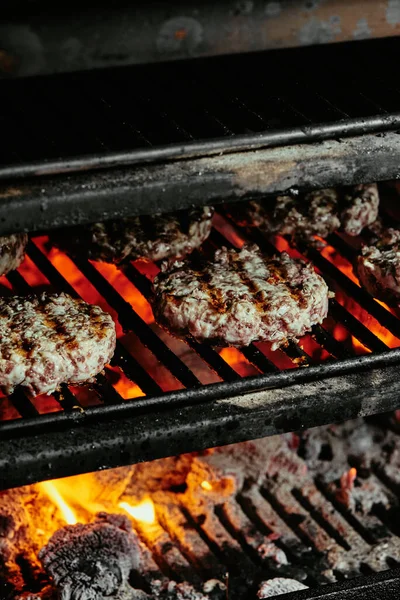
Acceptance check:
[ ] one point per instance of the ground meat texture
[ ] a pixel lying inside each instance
(47, 340)
(378, 267)
(302, 218)
(154, 237)
(359, 208)
(12, 251)
(240, 297)
(315, 215)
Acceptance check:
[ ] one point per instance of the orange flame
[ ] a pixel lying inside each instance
(347, 480)
(143, 512)
(50, 489)
(206, 485)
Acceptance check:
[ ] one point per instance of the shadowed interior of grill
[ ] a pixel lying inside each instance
(150, 367)
(316, 507)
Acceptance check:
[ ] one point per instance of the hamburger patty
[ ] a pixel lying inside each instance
(378, 267)
(359, 208)
(154, 237)
(12, 251)
(317, 213)
(240, 297)
(47, 340)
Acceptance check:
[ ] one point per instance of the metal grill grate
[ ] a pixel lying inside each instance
(280, 507)
(138, 110)
(163, 396)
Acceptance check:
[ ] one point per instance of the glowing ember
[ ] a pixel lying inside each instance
(347, 479)
(50, 489)
(143, 512)
(206, 486)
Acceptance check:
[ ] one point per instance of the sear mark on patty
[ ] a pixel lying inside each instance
(47, 340)
(240, 297)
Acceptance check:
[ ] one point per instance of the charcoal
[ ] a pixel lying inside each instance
(93, 561)
(279, 585)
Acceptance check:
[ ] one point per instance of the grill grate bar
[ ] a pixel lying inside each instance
(362, 297)
(328, 270)
(134, 371)
(362, 333)
(23, 405)
(130, 320)
(329, 343)
(258, 359)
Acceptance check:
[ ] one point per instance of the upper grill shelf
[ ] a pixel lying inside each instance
(162, 396)
(89, 146)
(131, 114)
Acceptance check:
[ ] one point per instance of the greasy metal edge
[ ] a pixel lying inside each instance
(379, 586)
(267, 139)
(203, 394)
(50, 202)
(91, 445)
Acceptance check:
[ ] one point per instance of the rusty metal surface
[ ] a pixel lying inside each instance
(54, 201)
(43, 37)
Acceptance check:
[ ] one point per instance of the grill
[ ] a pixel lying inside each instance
(279, 512)
(141, 139)
(153, 401)
(188, 132)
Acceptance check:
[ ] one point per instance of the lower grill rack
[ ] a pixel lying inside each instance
(161, 395)
(320, 508)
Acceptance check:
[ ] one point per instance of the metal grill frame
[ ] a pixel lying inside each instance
(119, 432)
(46, 194)
(310, 127)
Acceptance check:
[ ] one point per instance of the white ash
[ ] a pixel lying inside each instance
(279, 585)
(93, 561)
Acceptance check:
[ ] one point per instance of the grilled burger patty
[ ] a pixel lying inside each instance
(47, 340)
(153, 237)
(378, 267)
(315, 214)
(359, 208)
(12, 251)
(240, 297)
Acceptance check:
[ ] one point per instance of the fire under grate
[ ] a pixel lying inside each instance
(162, 396)
(320, 508)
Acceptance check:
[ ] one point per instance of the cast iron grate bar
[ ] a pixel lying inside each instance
(383, 316)
(134, 371)
(210, 356)
(329, 343)
(23, 405)
(258, 359)
(130, 320)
